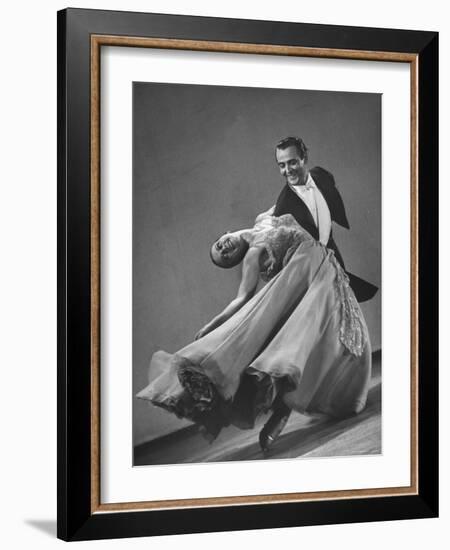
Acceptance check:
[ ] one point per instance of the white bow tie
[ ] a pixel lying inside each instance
(305, 187)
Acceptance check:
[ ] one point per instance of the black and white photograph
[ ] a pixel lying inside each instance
(256, 273)
(224, 277)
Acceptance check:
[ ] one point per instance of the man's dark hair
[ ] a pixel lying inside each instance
(296, 142)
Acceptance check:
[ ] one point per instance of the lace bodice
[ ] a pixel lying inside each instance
(279, 237)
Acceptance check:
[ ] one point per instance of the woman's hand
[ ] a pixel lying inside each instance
(250, 276)
(202, 332)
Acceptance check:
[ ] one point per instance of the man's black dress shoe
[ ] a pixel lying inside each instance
(274, 426)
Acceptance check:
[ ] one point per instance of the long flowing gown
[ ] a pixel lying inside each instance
(302, 336)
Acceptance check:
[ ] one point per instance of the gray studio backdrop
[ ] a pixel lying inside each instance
(203, 163)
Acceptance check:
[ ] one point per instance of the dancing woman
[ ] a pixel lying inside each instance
(299, 343)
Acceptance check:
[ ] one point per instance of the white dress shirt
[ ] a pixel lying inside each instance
(313, 198)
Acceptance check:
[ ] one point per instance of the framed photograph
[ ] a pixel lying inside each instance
(247, 274)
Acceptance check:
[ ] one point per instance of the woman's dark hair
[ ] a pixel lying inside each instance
(296, 142)
(227, 263)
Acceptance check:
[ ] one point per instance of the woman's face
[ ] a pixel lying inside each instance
(227, 248)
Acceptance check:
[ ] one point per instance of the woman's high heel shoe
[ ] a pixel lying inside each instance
(273, 427)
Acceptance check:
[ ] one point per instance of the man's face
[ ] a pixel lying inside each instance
(291, 166)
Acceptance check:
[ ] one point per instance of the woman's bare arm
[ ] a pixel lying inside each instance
(247, 287)
(268, 212)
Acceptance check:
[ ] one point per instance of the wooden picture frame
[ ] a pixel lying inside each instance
(81, 35)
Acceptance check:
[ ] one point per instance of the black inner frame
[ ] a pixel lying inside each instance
(75, 521)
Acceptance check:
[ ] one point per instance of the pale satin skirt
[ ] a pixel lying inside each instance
(301, 338)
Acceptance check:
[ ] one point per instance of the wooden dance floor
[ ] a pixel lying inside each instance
(304, 436)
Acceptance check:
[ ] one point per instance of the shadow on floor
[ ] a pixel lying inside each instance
(323, 433)
(47, 526)
(304, 436)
